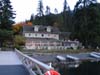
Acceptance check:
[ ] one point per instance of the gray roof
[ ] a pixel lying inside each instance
(27, 28)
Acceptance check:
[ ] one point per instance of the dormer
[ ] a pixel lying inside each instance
(48, 28)
(36, 28)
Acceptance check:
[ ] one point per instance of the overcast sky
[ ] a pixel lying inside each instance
(24, 8)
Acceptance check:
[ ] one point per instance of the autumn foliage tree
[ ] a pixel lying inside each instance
(18, 27)
(19, 41)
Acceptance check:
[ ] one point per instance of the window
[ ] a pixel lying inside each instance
(35, 34)
(29, 34)
(45, 29)
(42, 35)
(33, 28)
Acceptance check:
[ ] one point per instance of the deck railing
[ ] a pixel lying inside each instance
(34, 66)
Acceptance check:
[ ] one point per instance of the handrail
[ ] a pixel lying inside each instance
(45, 66)
(34, 66)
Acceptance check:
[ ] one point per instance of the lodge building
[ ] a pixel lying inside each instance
(45, 37)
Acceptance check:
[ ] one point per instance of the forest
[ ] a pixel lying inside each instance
(83, 22)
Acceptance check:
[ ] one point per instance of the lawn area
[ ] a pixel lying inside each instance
(69, 51)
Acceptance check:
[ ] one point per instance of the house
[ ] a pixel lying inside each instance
(43, 37)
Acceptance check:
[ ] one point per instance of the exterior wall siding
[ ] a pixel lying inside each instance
(41, 35)
(48, 45)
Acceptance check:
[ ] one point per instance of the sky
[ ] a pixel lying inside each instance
(25, 8)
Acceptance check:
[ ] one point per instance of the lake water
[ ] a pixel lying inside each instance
(85, 68)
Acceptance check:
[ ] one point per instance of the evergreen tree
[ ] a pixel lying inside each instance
(7, 15)
(87, 25)
(56, 11)
(40, 9)
(40, 19)
(47, 12)
(66, 17)
(32, 18)
(84, 3)
(65, 6)
(6, 21)
(0, 11)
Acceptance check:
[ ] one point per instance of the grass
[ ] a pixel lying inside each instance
(69, 51)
